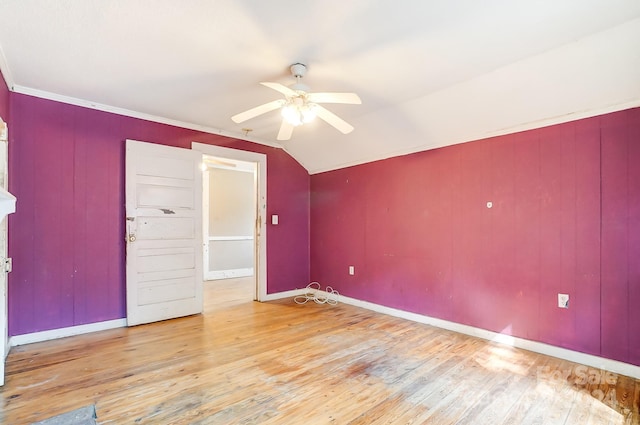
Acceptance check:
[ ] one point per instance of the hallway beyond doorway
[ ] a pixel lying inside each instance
(228, 292)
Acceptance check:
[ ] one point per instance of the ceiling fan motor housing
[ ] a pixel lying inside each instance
(298, 70)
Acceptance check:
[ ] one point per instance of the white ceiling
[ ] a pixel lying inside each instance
(430, 72)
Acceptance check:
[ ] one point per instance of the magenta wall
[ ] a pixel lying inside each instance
(565, 218)
(620, 290)
(66, 168)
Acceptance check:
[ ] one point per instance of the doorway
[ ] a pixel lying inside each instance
(229, 223)
(229, 206)
(234, 205)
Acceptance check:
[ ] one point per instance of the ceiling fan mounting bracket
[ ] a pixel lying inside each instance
(298, 70)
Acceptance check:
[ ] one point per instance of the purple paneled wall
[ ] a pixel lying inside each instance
(66, 168)
(621, 236)
(565, 218)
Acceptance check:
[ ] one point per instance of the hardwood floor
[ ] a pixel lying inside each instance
(244, 362)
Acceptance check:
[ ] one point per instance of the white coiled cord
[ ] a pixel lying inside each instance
(314, 293)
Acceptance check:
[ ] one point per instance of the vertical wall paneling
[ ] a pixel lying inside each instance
(527, 250)
(84, 160)
(342, 210)
(553, 320)
(471, 223)
(564, 218)
(620, 234)
(99, 267)
(633, 242)
(615, 228)
(585, 300)
(66, 166)
(434, 263)
(288, 242)
(503, 246)
(21, 281)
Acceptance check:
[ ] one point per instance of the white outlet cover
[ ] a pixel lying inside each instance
(352, 270)
(563, 300)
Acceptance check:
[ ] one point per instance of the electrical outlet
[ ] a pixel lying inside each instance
(352, 270)
(563, 300)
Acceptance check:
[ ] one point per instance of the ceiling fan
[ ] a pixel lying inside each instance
(300, 106)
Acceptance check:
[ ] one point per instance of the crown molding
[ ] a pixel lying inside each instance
(135, 114)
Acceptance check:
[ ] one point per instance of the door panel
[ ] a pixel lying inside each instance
(156, 228)
(164, 227)
(176, 260)
(166, 292)
(169, 167)
(150, 196)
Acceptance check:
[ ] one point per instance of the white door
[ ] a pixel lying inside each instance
(164, 232)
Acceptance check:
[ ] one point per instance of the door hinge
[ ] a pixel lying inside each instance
(7, 265)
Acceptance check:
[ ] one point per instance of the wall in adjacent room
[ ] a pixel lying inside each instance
(232, 213)
(66, 168)
(564, 218)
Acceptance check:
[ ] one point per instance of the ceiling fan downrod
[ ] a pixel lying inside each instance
(298, 70)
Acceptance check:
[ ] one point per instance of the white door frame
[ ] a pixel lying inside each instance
(260, 160)
(4, 262)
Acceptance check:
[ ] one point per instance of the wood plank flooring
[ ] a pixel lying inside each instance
(244, 362)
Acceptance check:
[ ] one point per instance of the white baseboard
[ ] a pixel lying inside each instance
(538, 347)
(229, 274)
(31, 338)
(65, 332)
(285, 294)
(525, 344)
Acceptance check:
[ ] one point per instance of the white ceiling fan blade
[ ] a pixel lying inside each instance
(331, 118)
(280, 88)
(350, 98)
(286, 130)
(258, 110)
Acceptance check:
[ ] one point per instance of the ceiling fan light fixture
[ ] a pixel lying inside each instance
(308, 112)
(298, 111)
(300, 106)
(291, 113)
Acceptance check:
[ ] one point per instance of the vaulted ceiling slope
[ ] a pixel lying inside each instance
(429, 72)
